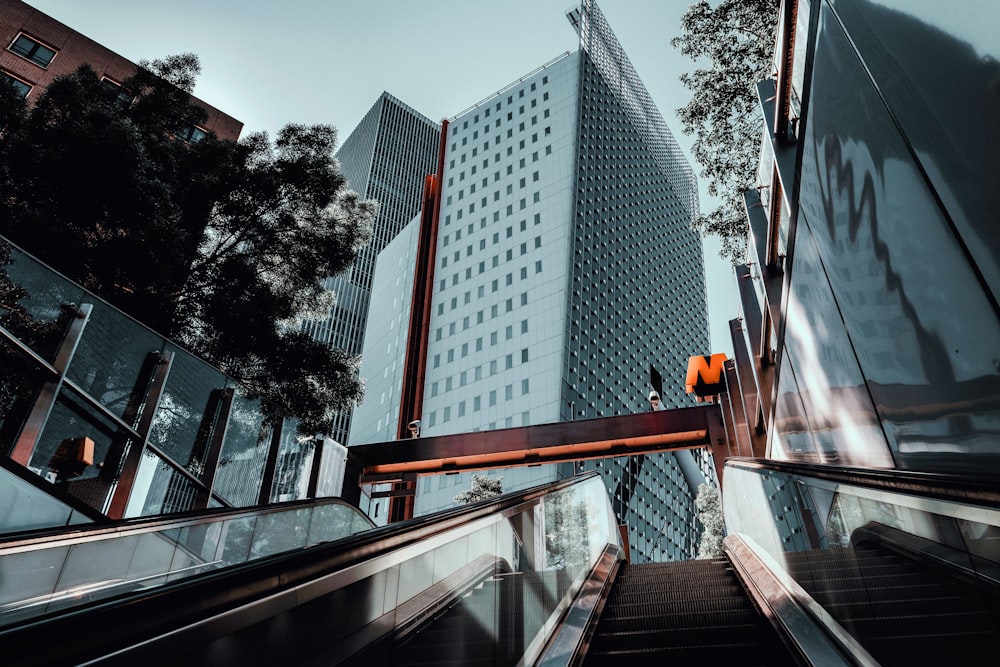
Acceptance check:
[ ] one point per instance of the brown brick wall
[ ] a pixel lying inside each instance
(75, 49)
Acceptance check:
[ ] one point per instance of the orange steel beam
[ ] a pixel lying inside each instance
(415, 368)
(626, 435)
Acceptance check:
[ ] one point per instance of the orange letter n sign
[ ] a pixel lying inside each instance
(705, 375)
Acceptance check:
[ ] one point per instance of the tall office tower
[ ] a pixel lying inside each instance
(566, 269)
(385, 158)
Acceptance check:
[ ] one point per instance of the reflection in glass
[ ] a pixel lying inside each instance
(159, 489)
(45, 296)
(71, 420)
(20, 383)
(889, 567)
(244, 453)
(899, 275)
(295, 454)
(114, 361)
(186, 417)
(790, 434)
(64, 575)
(834, 396)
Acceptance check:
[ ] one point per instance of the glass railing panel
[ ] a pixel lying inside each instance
(867, 552)
(799, 55)
(510, 577)
(61, 574)
(71, 420)
(27, 507)
(331, 522)
(20, 384)
(26, 576)
(160, 489)
(42, 316)
(115, 360)
(295, 452)
(244, 453)
(276, 533)
(183, 425)
(152, 556)
(236, 540)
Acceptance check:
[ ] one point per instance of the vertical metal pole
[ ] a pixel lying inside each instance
(271, 465)
(202, 496)
(133, 457)
(740, 427)
(317, 464)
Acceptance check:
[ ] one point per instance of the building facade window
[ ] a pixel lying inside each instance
(32, 50)
(22, 87)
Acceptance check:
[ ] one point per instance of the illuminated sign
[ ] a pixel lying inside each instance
(705, 375)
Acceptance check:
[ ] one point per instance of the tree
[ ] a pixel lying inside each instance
(708, 502)
(736, 40)
(216, 244)
(483, 487)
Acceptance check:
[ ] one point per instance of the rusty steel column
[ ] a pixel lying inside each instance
(415, 367)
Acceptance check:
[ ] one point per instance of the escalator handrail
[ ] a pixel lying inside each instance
(569, 643)
(79, 533)
(808, 630)
(953, 488)
(270, 582)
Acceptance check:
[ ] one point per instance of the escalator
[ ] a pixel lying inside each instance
(817, 570)
(905, 612)
(487, 582)
(688, 612)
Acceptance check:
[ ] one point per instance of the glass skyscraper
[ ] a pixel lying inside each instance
(385, 158)
(566, 270)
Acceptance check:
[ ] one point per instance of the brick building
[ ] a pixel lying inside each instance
(37, 49)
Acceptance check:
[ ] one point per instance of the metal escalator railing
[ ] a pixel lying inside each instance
(43, 571)
(726, 610)
(905, 565)
(373, 598)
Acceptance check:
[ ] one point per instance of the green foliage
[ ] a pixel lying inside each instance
(567, 530)
(735, 41)
(483, 487)
(216, 244)
(708, 502)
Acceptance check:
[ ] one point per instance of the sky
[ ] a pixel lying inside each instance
(269, 63)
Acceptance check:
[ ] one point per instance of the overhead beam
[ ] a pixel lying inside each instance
(626, 435)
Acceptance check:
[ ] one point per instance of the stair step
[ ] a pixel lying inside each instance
(705, 635)
(688, 606)
(678, 620)
(743, 654)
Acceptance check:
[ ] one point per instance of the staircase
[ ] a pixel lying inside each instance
(689, 612)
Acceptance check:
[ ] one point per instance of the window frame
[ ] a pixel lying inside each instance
(29, 55)
(15, 80)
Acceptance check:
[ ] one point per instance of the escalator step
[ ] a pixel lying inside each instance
(923, 625)
(677, 620)
(874, 594)
(830, 572)
(705, 635)
(647, 596)
(917, 606)
(670, 606)
(968, 649)
(745, 655)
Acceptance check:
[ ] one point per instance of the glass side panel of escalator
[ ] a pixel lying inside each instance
(489, 592)
(40, 577)
(914, 578)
